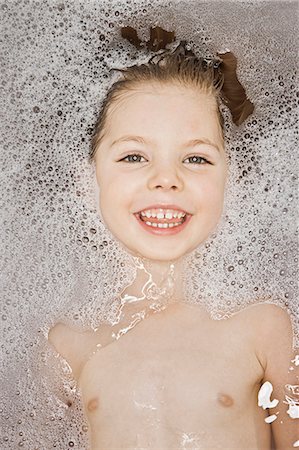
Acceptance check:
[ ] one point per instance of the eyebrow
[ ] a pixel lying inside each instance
(141, 140)
(195, 142)
(130, 138)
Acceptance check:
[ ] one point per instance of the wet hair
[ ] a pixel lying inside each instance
(216, 77)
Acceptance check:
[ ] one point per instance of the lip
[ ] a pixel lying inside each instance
(163, 206)
(163, 231)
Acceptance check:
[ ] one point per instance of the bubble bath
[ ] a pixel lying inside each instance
(59, 261)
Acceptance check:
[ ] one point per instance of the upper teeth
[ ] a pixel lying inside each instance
(163, 214)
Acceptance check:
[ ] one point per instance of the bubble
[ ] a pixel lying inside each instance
(59, 261)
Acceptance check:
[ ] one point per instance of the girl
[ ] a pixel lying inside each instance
(164, 374)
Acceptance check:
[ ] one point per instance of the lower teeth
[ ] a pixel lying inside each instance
(163, 225)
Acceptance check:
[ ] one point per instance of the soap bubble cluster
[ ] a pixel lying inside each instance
(58, 260)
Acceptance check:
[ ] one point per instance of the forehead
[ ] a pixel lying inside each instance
(164, 111)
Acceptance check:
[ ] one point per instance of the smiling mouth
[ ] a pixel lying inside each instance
(163, 221)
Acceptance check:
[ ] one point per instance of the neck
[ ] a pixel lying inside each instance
(159, 281)
(156, 286)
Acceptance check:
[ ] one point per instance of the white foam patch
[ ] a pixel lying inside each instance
(293, 411)
(58, 260)
(271, 418)
(264, 395)
(292, 400)
(296, 360)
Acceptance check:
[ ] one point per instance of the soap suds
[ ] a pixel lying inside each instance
(264, 395)
(296, 360)
(293, 403)
(271, 418)
(59, 262)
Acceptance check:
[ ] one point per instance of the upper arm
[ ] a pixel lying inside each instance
(281, 372)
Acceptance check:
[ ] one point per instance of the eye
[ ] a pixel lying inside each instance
(133, 157)
(195, 159)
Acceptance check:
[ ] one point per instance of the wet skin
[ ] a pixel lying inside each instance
(177, 379)
(170, 168)
(180, 380)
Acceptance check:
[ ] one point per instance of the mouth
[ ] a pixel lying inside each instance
(163, 221)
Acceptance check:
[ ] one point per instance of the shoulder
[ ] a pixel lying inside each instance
(59, 336)
(272, 319)
(272, 323)
(270, 328)
(265, 319)
(274, 335)
(268, 316)
(69, 343)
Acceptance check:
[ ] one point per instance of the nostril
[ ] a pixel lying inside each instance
(170, 182)
(165, 187)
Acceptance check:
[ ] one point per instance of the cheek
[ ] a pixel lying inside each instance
(120, 187)
(114, 200)
(211, 196)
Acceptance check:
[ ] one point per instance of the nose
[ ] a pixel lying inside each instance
(165, 177)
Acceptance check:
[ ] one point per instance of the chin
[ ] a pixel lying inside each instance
(159, 249)
(159, 254)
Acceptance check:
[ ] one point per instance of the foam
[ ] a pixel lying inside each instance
(264, 396)
(58, 259)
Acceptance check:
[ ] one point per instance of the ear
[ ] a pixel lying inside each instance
(232, 91)
(97, 193)
(96, 177)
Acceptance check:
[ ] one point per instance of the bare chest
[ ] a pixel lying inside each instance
(174, 369)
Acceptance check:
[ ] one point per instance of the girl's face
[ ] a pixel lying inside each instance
(161, 170)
